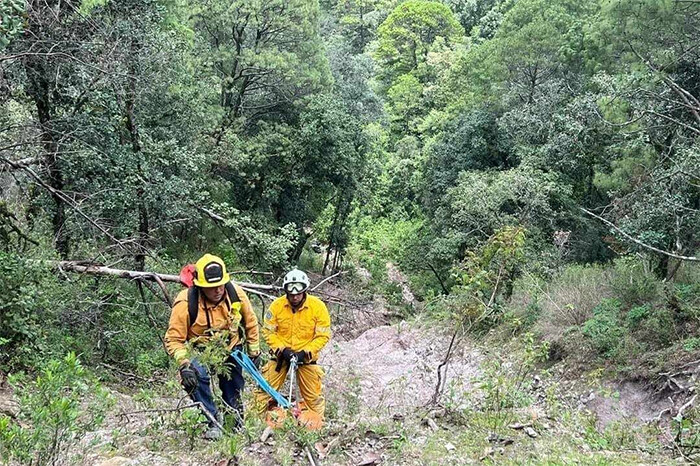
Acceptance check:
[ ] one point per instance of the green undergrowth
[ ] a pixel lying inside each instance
(621, 316)
(57, 408)
(515, 388)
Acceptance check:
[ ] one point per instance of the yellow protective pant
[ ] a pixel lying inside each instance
(309, 379)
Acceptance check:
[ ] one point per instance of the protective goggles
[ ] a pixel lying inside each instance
(294, 288)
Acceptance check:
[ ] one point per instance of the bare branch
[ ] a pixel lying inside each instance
(680, 123)
(67, 200)
(327, 279)
(638, 242)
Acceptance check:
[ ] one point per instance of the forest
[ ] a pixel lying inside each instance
(517, 182)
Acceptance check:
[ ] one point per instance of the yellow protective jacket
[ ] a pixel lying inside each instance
(220, 318)
(307, 329)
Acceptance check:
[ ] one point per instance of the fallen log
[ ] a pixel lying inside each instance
(159, 278)
(251, 272)
(265, 291)
(96, 269)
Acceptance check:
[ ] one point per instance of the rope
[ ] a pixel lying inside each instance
(247, 364)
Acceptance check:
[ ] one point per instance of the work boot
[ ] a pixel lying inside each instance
(213, 433)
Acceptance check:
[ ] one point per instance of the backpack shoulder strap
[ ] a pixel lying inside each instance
(192, 304)
(232, 293)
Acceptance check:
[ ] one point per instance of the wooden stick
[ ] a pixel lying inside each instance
(126, 374)
(310, 456)
(160, 410)
(259, 293)
(266, 434)
(685, 406)
(440, 382)
(163, 289)
(160, 296)
(22, 163)
(210, 417)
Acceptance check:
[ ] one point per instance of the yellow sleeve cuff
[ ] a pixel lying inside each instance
(180, 355)
(254, 349)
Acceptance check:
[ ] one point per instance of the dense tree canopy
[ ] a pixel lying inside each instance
(146, 132)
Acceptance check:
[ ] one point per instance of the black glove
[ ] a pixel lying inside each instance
(256, 361)
(188, 377)
(286, 354)
(301, 356)
(283, 355)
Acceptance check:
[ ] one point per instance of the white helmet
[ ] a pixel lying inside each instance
(298, 278)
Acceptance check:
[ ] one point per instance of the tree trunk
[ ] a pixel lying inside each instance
(332, 238)
(301, 242)
(335, 260)
(39, 89)
(160, 278)
(328, 256)
(437, 275)
(132, 128)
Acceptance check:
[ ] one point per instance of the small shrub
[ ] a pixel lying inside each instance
(637, 314)
(310, 261)
(502, 392)
(616, 435)
(656, 326)
(193, 422)
(688, 272)
(569, 300)
(604, 328)
(633, 284)
(518, 321)
(56, 409)
(212, 353)
(686, 430)
(23, 308)
(524, 306)
(628, 352)
(231, 446)
(691, 344)
(685, 298)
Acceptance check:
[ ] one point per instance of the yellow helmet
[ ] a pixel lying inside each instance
(210, 272)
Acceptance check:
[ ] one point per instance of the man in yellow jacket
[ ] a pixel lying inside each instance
(297, 324)
(213, 305)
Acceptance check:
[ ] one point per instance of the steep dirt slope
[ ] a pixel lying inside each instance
(395, 366)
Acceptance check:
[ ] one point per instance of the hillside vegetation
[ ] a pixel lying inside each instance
(511, 189)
